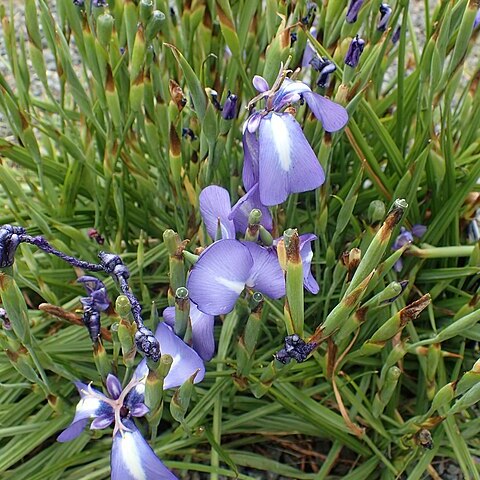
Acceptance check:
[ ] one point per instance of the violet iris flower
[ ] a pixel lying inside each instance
(132, 458)
(277, 155)
(215, 210)
(226, 267)
(353, 9)
(406, 236)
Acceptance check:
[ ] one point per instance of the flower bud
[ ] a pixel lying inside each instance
(353, 9)
(354, 51)
(229, 111)
(376, 212)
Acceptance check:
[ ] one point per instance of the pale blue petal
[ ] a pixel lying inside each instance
(215, 206)
(332, 115)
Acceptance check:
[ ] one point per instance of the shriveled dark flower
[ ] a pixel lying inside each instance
(99, 3)
(96, 302)
(354, 51)
(229, 111)
(79, 3)
(295, 348)
(385, 14)
(353, 9)
(325, 67)
(9, 241)
(147, 343)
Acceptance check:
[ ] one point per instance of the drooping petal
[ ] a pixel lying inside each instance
(219, 276)
(215, 205)
(250, 161)
(306, 253)
(287, 163)
(241, 210)
(332, 115)
(289, 92)
(260, 84)
(266, 276)
(114, 386)
(203, 341)
(73, 431)
(185, 360)
(132, 458)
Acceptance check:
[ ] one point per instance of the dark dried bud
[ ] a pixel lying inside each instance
(354, 51)
(229, 111)
(325, 67)
(94, 235)
(295, 348)
(147, 343)
(9, 241)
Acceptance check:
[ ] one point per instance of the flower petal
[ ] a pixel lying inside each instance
(241, 210)
(250, 162)
(102, 422)
(203, 341)
(266, 275)
(418, 230)
(139, 410)
(214, 205)
(306, 253)
(185, 360)
(219, 276)
(287, 163)
(332, 115)
(260, 84)
(114, 386)
(132, 458)
(73, 430)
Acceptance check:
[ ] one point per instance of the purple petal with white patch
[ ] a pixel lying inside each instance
(266, 275)
(89, 406)
(241, 210)
(215, 206)
(250, 161)
(185, 360)
(114, 386)
(332, 115)
(260, 84)
(203, 341)
(287, 163)
(132, 458)
(102, 422)
(218, 278)
(306, 253)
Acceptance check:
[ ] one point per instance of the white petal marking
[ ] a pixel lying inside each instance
(131, 456)
(232, 285)
(281, 138)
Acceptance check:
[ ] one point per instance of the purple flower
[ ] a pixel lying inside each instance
(354, 51)
(277, 155)
(229, 111)
(353, 9)
(226, 267)
(202, 324)
(96, 302)
(131, 457)
(385, 13)
(406, 236)
(309, 52)
(476, 22)
(216, 211)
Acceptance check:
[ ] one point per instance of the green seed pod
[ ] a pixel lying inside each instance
(378, 245)
(469, 379)
(176, 249)
(100, 357)
(154, 25)
(442, 399)
(181, 399)
(385, 394)
(471, 397)
(376, 212)
(458, 328)
(145, 11)
(253, 229)
(265, 236)
(137, 93)
(294, 282)
(104, 29)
